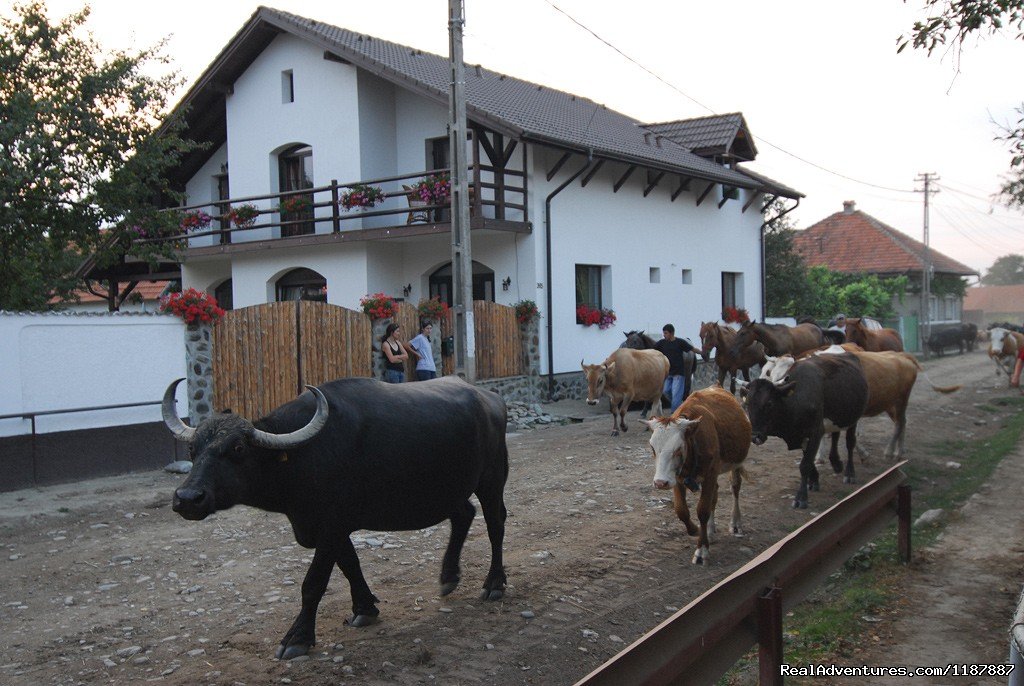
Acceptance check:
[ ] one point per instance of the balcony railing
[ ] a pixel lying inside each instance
(491, 197)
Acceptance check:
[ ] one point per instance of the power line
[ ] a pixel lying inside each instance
(712, 111)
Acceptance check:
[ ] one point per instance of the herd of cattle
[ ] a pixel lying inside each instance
(332, 462)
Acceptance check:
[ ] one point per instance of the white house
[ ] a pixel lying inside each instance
(572, 202)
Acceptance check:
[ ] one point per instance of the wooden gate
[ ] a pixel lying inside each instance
(499, 345)
(265, 354)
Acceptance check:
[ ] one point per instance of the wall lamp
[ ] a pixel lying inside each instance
(506, 283)
(406, 290)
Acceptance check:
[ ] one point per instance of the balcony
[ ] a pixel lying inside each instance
(315, 216)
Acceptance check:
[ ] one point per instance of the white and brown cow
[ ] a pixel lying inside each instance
(1002, 348)
(708, 435)
(627, 375)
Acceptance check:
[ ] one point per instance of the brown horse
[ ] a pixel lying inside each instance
(714, 336)
(779, 339)
(873, 341)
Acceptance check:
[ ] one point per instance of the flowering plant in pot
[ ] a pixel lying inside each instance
(526, 311)
(243, 216)
(588, 316)
(294, 204)
(195, 220)
(193, 306)
(436, 189)
(735, 315)
(361, 195)
(378, 305)
(433, 309)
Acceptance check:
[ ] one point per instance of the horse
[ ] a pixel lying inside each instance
(637, 340)
(873, 341)
(715, 336)
(778, 339)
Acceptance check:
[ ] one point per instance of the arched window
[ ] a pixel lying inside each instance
(483, 283)
(302, 284)
(295, 169)
(224, 296)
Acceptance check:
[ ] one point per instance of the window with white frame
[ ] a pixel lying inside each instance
(732, 289)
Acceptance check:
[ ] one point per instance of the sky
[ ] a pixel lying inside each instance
(835, 112)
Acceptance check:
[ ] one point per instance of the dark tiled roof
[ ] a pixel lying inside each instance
(856, 242)
(504, 103)
(714, 134)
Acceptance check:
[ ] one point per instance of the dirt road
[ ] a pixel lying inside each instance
(102, 583)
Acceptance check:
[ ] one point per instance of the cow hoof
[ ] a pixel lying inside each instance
(289, 652)
(448, 587)
(496, 594)
(799, 505)
(849, 480)
(359, 621)
(615, 433)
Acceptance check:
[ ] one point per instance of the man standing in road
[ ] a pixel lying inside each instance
(681, 359)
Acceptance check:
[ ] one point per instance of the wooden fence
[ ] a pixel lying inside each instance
(264, 355)
(499, 344)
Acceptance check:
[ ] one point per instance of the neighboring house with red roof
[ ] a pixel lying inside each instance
(144, 297)
(986, 305)
(854, 242)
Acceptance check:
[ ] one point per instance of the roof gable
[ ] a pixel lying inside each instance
(519, 108)
(717, 135)
(852, 241)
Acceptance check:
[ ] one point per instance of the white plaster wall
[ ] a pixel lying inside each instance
(630, 234)
(324, 115)
(65, 361)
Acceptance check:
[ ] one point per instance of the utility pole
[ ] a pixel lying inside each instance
(926, 271)
(462, 256)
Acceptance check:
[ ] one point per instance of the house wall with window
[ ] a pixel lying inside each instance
(202, 188)
(635, 240)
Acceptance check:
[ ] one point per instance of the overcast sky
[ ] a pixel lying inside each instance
(834, 111)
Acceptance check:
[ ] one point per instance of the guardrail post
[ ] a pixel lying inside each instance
(903, 513)
(769, 637)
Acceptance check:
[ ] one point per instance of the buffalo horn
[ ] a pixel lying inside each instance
(180, 430)
(299, 436)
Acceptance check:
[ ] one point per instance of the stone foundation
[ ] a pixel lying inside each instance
(199, 374)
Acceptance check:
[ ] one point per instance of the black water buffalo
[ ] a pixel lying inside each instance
(822, 394)
(947, 338)
(356, 454)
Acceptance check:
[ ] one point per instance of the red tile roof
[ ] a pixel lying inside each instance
(995, 298)
(855, 242)
(149, 290)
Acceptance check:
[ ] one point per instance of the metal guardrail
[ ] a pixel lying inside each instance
(44, 413)
(701, 642)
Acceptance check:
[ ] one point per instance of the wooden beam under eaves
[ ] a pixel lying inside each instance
(703, 195)
(622, 180)
(593, 170)
(753, 196)
(684, 185)
(331, 57)
(558, 165)
(652, 182)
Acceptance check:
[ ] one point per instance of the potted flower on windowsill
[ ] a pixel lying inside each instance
(378, 306)
(243, 216)
(735, 315)
(360, 196)
(588, 316)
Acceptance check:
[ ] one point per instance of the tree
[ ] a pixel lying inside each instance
(787, 290)
(1007, 270)
(78, 150)
(951, 22)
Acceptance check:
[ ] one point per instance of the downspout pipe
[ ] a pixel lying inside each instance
(764, 276)
(548, 268)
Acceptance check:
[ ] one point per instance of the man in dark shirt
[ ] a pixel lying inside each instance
(680, 365)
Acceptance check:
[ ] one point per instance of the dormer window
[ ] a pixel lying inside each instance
(287, 86)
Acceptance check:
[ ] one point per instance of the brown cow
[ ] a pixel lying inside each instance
(1002, 348)
(873, 341)
(626, 375)
(707, 436)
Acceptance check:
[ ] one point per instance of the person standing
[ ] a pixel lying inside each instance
(424, 353)
(394, 354)
(680, 365)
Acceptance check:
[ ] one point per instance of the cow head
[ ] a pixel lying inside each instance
(1001, 343)
(764, 402)
(776, 369)
(670, 442)
(229, 454)
(597, 375)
